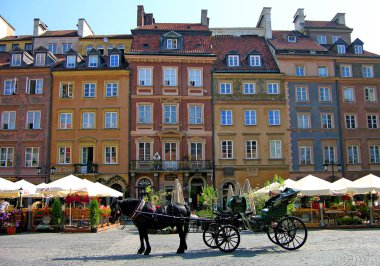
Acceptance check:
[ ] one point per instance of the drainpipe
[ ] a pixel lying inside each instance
(339, 126)
(213, 131)
(129, 133)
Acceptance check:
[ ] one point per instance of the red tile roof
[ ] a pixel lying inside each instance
(280, 42)
(175, 27)
(324, 24)
(60, 33)
(17, 38)
(243, 45)
(4, 58)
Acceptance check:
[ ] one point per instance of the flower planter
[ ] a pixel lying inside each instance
(11, 230)
(94, 229)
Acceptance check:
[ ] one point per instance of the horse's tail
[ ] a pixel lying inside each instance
(187, 221)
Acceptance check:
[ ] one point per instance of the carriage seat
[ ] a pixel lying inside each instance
(238, 204)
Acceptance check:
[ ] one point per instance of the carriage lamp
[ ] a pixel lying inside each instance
(332, 164)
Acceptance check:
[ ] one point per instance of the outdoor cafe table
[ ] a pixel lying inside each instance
(334, 214)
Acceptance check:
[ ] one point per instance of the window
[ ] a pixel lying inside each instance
(170, 114)
(16, 60)
(372, 121)
(171, 154)
(292, 38)
(52, 47)
(272, 88)
(348, 94)
(6, 157)
(121, 48)
(358, 49)
(145, 77)
(302, 94)
(70, 61)
(66, 47)
(249, 88)
(250, 117)
(303, 120)
(350, 121)
(196, 151)
(31, 157)
(300, 71)
(275, 149)
(345, 71)
(251, 149)
(101, 49)
(111, 89)
(65, 120)
(370, 94)
(322, 39)
(110, 155)
(367, 72)
(226, 117)
(227, 149)
(114, 60)
(145, 114)
(353, 154)
(171, 43)
(110, 119)
(34, 86)
(225, 88)
(195, 114)
(305, 155)
(64, 155)
(233, 60)
(15, 45)
(255, 60)
(335, 38)
(33, 119)
(341, 49)
(88, 48)
(109, 48)
(3, 48)
(89, 90)
(195, 77)
(93, 61)
(274, 117)
(144, 151)
(327, 120)
(10, 87)
(88, 120)
(324, 95)
(40, 59)
(374, 153)
(322, 71)
(8, 119)
(329, 154)
(170, 77)
(66, 90)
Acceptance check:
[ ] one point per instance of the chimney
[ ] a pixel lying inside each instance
(340, 18)
(149, 19)
(299, 19)
(265, 22)
(39, 27)
(6, 29)
(83, 28)
(204, 18)
(140, 16)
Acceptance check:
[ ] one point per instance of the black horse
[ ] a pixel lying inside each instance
(146, 216)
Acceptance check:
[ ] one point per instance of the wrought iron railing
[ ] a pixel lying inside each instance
(158, 165)
(86, 168)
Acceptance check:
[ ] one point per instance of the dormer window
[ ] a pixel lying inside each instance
(255, 60)
(171, 43)
(88, 48)
(70, 61)
(93, 61)
(121, 48)
(101, 49)
(358, 49)
(40, 59)
(16, 60)
(109, 48)
(292, 38)
(233, 60)
(341, 49)
(114, 60)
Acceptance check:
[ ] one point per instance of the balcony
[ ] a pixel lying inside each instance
(170, 166)
(85, 168)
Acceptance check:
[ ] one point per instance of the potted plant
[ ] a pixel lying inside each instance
(94, 215)
(7, 220)
(56, 213)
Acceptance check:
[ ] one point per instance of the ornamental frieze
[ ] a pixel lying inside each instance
(171, 100)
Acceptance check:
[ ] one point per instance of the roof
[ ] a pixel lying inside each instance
(280, 41)
(4, 58)
(244, 45)
(103, 65)
(324, 24)
(60, 33)
(175, 27)
(17, 38)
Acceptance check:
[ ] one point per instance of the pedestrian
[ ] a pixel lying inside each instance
(3, 206)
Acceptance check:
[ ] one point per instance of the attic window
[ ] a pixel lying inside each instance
(145, 45)
(171, 44)
(358, 49)
(341, 49)
(292, 38)
(255, 60)
(93, 61)
(70, 61)
(40, 59)
(101, 49)
(198, 45)
(233, 60)
(16, 60)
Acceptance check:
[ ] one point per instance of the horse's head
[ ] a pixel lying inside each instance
(115, 210)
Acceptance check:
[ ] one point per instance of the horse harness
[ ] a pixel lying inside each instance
(138, 209)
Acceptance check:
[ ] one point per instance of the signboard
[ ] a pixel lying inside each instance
(170, 177)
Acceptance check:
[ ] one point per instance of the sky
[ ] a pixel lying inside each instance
(119, 16)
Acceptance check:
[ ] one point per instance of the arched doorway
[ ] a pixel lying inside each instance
(225, 192)
(117, 187)
(141, 185)
(196, 185)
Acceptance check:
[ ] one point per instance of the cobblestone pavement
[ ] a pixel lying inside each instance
(115, 247)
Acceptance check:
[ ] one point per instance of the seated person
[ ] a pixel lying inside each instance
(82, 222)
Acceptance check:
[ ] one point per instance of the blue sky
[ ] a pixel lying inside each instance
(119, 16)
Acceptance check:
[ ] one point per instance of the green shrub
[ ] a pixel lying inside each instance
(205, 213)
(56, 212)
(357, 220)
(94, 213)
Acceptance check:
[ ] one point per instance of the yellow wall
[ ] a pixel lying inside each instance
(95, 42)
(20, 43)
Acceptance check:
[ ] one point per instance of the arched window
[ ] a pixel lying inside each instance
(121, 48)
(101, 49)
(109, 48)
(141, 185)
(196, 185)
(88, 48)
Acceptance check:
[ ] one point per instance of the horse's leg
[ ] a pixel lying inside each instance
(182, 241)
(146, 236)
(142, 247)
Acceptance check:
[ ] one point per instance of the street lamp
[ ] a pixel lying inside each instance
(332, 164)
(21, 191)
(45, 172)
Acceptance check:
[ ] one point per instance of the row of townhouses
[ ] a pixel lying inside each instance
(205, 105)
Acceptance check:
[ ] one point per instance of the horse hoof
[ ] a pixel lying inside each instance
(146, 253)
(139, 252)
(180, 251)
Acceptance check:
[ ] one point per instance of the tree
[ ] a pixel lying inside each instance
(208, 196)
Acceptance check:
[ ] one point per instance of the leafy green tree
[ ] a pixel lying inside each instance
(208, 196)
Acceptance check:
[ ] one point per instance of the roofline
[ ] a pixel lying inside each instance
(170, 54)
(163, 31)
(128, 36)
(246, 71)
(9, 24)
(335, 28)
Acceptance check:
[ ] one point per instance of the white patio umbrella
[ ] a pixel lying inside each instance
(94, 190)
(8, 189)
(271, 187)
(177, 193)
(28, 189)
(340, 185)
(289, 182)
(237, 189)
(312, 186)
(112, 192)
(246, 187)
(365, 184)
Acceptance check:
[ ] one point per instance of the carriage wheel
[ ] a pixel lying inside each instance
(271, 231)
(290, 233)
(209, 235)
(228, 238)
